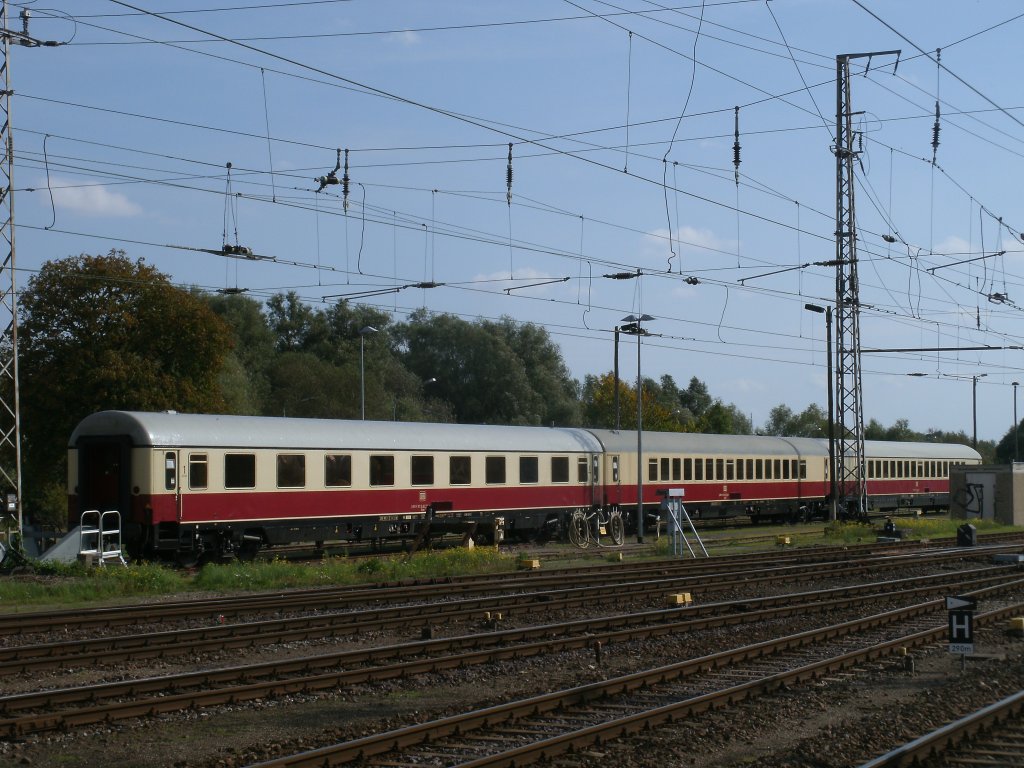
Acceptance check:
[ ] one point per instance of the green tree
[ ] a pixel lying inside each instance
(783, 422)
(476, 371)
(545, 369)
(696, 398)
(599, 405)
(244, 379)
(106, 332)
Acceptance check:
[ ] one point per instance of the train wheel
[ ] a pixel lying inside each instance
(248, 550)
(616, 528)
(186, 558)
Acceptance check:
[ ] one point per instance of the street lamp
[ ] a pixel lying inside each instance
(635, 328)
(832, 515)
(974, 394)
(362, 368)
(1016, 424)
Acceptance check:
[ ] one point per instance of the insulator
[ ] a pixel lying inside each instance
(889, 238)
(692, 281)
(736, 146)
(935, 132)
(344, 185)
(508, 175)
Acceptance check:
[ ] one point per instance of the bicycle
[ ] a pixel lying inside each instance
(587, 526)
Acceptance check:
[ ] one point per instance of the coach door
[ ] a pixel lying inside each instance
(173, 476)
(104, 475)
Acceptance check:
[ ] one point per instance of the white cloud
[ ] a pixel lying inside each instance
(693, 240)
(90, 198)
(953, 245)
(406, 38)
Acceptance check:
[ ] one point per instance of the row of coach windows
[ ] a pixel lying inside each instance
(240, 470)
(667, 469)
(882, 469)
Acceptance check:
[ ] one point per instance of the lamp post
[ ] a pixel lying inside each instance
(832, 513)
(974, 400)
(1016, 424)
(362, 368)
(635, 328)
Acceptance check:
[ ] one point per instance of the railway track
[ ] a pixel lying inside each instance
(107, 650)
(547, 726)
(65, 708)
(710, 574)
(995, 732)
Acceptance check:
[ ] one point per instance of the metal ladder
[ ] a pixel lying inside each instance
(100, 537)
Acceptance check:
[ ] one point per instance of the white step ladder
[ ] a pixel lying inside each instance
(100, 537)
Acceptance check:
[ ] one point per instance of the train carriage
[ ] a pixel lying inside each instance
(192, 485)
(723, 475)
(189, 484)
(902, 475)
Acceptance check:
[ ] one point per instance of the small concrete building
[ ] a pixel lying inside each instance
(987, 492)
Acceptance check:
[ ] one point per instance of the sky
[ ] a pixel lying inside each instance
(622, 118)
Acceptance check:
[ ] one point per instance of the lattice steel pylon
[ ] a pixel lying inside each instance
(850, 466)
(10, 411)
(10, 419)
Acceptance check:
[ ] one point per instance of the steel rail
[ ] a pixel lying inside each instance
(338, 597)
(463, 725)
(16, 658)
(949, 736)
(241, 688)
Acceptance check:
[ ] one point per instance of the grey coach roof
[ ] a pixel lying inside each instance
(171, 430)
(699, 444)
(174, 430)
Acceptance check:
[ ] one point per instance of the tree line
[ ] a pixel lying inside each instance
(109, 332)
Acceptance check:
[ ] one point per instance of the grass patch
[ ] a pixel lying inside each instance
(59, 585)
(912, 528)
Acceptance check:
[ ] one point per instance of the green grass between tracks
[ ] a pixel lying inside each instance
(55, 585)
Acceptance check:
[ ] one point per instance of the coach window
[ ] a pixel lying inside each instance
(240, 470)
(709, 469)
(528, 469)
(785, 469)
(291, 470)
(687, 469)
(698, 469)
(803, 469)
(750, 469)
(615, 469)
(871, 470)
(777, 469)
(677, 469)
(664, 468)
(759, 469)
(560, 468)
(382, 470)
(170, 471)
(581, 470)
(421, 470)
(337, 470)
(652, 470)
(739, 469)
(459, 470)
(197, 474)
(892, 470)
(768, 470)
(730, 469)
(494, 470)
